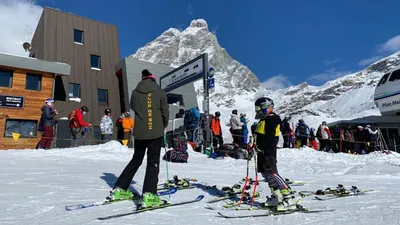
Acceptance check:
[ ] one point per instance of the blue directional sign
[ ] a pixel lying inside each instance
(211, 83)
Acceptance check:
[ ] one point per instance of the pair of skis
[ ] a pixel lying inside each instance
(164, 205)
(272, 212)
(107, 202)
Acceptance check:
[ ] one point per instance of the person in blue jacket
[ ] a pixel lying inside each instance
(191, 123)
(245, 131)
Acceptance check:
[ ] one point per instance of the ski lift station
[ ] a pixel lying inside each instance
(130, 72)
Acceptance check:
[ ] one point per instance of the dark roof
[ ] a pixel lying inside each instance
(369, 120)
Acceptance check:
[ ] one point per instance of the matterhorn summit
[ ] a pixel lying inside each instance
(175, 48)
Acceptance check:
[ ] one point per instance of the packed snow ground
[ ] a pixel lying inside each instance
(38, 184)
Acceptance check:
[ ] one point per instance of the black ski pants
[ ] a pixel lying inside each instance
(153, 162)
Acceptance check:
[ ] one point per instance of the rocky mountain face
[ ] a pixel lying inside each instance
(317, 101)
(174, 48)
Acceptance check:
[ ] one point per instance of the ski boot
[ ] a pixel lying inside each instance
(117, 194)
(341, 191)
(274, 200)
(181, 182)
(289, 201)
(150, 200)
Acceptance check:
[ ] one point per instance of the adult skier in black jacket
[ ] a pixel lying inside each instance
(286, 131)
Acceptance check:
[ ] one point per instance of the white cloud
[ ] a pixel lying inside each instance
(18, 21)
(391, 45)
(214, 30)
(368, 61)
(329, 74)
(190, 9)
(276, 82)
(331, 62)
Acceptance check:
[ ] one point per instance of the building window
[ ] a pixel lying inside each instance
(175, 99)
(26, 128)
(78, 37)
(6, 78)
(95, 62)
(384, 79)
(395, 76)
(102, 96)
(33, 82)
(74, 90)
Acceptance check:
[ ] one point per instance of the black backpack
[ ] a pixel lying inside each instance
(189, 117)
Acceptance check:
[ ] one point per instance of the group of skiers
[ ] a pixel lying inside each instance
(78, 127)
(356, 141)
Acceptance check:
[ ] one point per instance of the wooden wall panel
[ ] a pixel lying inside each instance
(31, 111)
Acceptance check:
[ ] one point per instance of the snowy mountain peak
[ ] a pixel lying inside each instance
(200, 23)
(175, 48)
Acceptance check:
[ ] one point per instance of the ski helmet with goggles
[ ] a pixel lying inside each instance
(262, 105)
(107, 111)
(217, 114)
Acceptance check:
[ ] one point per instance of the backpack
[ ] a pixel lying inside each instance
(176, 156)
(189, 117)
(71, 119)
(319, 133)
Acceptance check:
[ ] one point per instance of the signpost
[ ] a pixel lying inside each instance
(15, 102)
(192, 71)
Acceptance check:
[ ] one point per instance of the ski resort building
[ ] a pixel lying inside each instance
(129, 73)
(25, 84)
(92, 49)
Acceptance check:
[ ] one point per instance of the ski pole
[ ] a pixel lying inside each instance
(166, 160)
(256, 182)
(245, 183)
(256, 170)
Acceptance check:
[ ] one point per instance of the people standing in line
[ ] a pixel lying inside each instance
(217, 131)
(180, 114)
(236, 128)
(76, 124)
(326, 137)
(245, 130)
(191, 123)
(150, 105)
(286, 132)
(128, 124)
(120, 129)
(302, 133)
(47, 123)
(313, 143)
(106, 126)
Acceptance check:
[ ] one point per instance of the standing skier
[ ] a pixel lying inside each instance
(106, 126)
(150, 105)
(267, 137)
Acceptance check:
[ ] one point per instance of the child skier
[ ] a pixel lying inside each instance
(267, 137)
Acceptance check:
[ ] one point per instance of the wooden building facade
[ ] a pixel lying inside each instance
(92, 50)
(25, 84)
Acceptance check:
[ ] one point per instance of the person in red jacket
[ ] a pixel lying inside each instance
(76, 124)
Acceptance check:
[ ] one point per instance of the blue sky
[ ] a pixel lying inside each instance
(291, 41)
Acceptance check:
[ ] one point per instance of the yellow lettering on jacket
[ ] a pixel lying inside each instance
(149, 112)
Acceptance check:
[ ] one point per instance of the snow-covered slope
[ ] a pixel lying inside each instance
(37, 184)
(237, 87)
